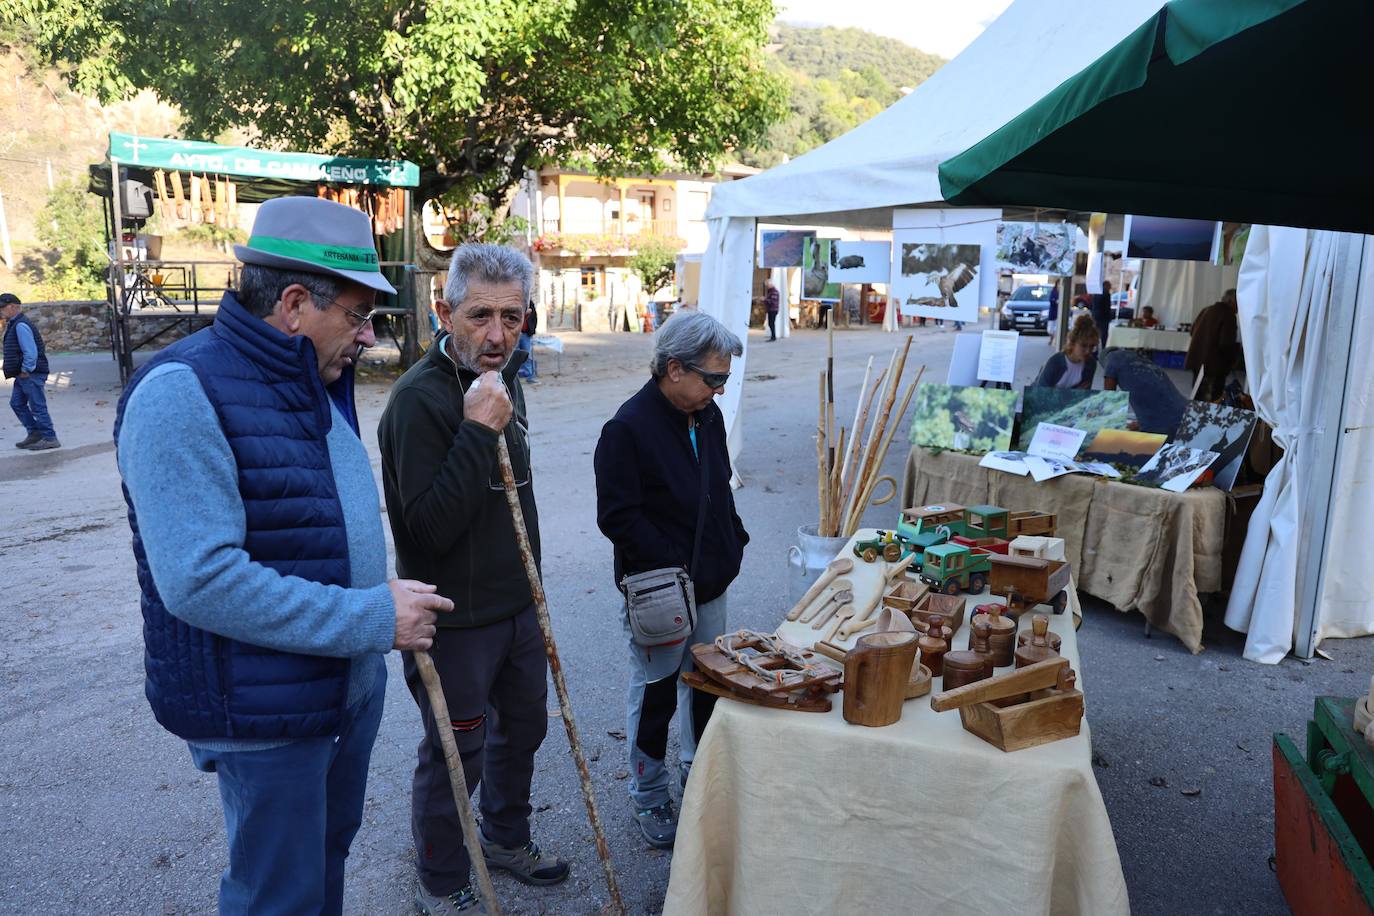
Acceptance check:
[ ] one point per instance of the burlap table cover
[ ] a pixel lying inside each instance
(802, 813)
(1139, 548)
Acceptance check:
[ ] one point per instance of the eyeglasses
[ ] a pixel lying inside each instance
(359, 318)
(711, 379)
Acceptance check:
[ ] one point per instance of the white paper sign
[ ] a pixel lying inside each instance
(1011, 462)
(1043, 469)
(1059, 443)
(963, 363)
(943, 262)
(997, 358)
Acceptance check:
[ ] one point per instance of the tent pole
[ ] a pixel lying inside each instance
(118, 327)
(1341, 322)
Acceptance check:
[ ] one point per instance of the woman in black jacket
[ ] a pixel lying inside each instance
(659, 457)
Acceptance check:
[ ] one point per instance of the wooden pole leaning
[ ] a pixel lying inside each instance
(438, 707)
(541, 609)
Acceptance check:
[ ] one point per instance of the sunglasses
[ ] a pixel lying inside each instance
(710, 379)
(359, 318)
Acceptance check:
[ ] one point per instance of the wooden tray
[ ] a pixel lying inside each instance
(951, 607)
(905, 595)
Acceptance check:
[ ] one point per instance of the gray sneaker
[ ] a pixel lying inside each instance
(526, 864)
(464, 900)
(43, 445)
(28, 440)
(658, 825)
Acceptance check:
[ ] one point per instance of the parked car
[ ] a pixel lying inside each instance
(1028, 309)
(1121, 306)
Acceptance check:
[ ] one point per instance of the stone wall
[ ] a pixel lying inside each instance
(71, 326)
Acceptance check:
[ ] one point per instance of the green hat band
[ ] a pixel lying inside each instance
(340, 257)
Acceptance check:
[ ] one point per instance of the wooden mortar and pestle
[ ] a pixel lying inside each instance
(1038, 649)
(1001, 634)
(972, 664)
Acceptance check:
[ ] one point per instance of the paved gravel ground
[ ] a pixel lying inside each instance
(103, 811)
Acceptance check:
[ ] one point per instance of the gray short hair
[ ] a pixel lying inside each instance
(490, 264)
(689, 337)
(261, 287)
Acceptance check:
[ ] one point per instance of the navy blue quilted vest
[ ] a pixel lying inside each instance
(14, 354)
(274, 411)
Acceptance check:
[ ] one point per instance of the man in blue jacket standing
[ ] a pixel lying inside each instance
(26, 361)
(261, 558)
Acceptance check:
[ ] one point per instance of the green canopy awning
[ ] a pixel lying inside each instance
(1245, 110)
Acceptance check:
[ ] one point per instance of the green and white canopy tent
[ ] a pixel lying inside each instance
(1243, 110)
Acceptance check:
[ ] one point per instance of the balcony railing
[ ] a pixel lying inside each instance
(664, 228)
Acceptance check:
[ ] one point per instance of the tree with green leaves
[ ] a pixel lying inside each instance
(71, 262)
(474, 91)
(654, 261)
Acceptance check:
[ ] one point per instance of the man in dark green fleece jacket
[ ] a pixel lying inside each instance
(449, 517)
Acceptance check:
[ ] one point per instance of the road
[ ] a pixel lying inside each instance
(104, 812)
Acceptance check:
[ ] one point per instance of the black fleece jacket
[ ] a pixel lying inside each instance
(647, 486)
(444, 497)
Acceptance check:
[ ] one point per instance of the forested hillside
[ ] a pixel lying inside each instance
(837, 79)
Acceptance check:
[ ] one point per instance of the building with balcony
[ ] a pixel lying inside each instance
(583, 231)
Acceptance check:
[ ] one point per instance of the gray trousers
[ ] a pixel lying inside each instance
(656, 692)
(494, 680)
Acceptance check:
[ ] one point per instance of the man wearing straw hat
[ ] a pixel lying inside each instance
(261, 557)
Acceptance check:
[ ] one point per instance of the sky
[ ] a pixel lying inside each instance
(943, 27)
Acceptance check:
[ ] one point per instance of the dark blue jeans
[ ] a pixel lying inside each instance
(291, 813)
(526, 343)
(30, 405)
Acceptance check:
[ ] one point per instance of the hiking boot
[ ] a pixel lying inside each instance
(658, 824)
(464, 900)
(28, 440)
(526, 864)
(43, 445)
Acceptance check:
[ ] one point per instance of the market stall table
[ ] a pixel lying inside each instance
(794, 812)
(1138, 548)
(1129, 338)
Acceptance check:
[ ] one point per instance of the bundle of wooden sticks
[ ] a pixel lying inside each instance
(849, 464)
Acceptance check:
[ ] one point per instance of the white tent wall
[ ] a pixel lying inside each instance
(727, 288)
(1300, 573)
(1178, 290)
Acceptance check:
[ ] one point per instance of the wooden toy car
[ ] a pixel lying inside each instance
(889, 545)
(947, 568)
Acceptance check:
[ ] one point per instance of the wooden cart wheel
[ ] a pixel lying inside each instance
(951, 587)
(870, 555)
(892, 553)
(1059, 602)
(976, 583)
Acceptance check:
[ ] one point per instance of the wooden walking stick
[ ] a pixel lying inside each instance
(438, 706)
(541, 609)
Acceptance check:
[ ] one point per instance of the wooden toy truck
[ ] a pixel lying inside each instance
(1033, 523)
(948, 568)
(1028, 581)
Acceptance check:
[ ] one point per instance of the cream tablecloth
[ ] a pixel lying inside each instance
(1138, 548)
(802, 813)
(1129, 338)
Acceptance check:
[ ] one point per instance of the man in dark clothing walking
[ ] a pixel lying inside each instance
(771, 303)
(1102, 312)
(1214, 348)
(449, 518)
(26, 361)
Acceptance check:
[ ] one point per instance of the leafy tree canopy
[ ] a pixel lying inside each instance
(836, 79)
(474, 91)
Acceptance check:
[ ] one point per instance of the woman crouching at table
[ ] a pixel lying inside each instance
(1076, 365)
(663, 498)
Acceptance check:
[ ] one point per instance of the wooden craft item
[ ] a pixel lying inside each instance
(877, 673)
(842, 595)
(1038, 649)
(950, 607)
(933, 651)
(1001, 634)
(905, 595)
(857, 626)
(1028, 581)
(898, 572)
(919, 684)
(980, 642)
(839, 566)
(935, 626)
(824, 618)
(761, 669)
(1023, 708)
(842, 616)
(829, 650)
(965, 666)
(1024, 637)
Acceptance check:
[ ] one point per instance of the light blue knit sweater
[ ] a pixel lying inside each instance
(183, 482)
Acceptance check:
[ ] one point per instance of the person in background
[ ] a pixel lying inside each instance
(772, 301)
(650, 465)
(1075, 365)
(1214, 349)
(527, 332)
(1157, 404)
(1102, 311)
(261, 557)
(1052, 323)
(452, 525)
(26, 361)
(1147, 318)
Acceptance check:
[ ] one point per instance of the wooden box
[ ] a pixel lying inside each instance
(1027, 720)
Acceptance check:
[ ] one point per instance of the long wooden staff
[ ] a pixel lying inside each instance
(438, 707)
(541, 608)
